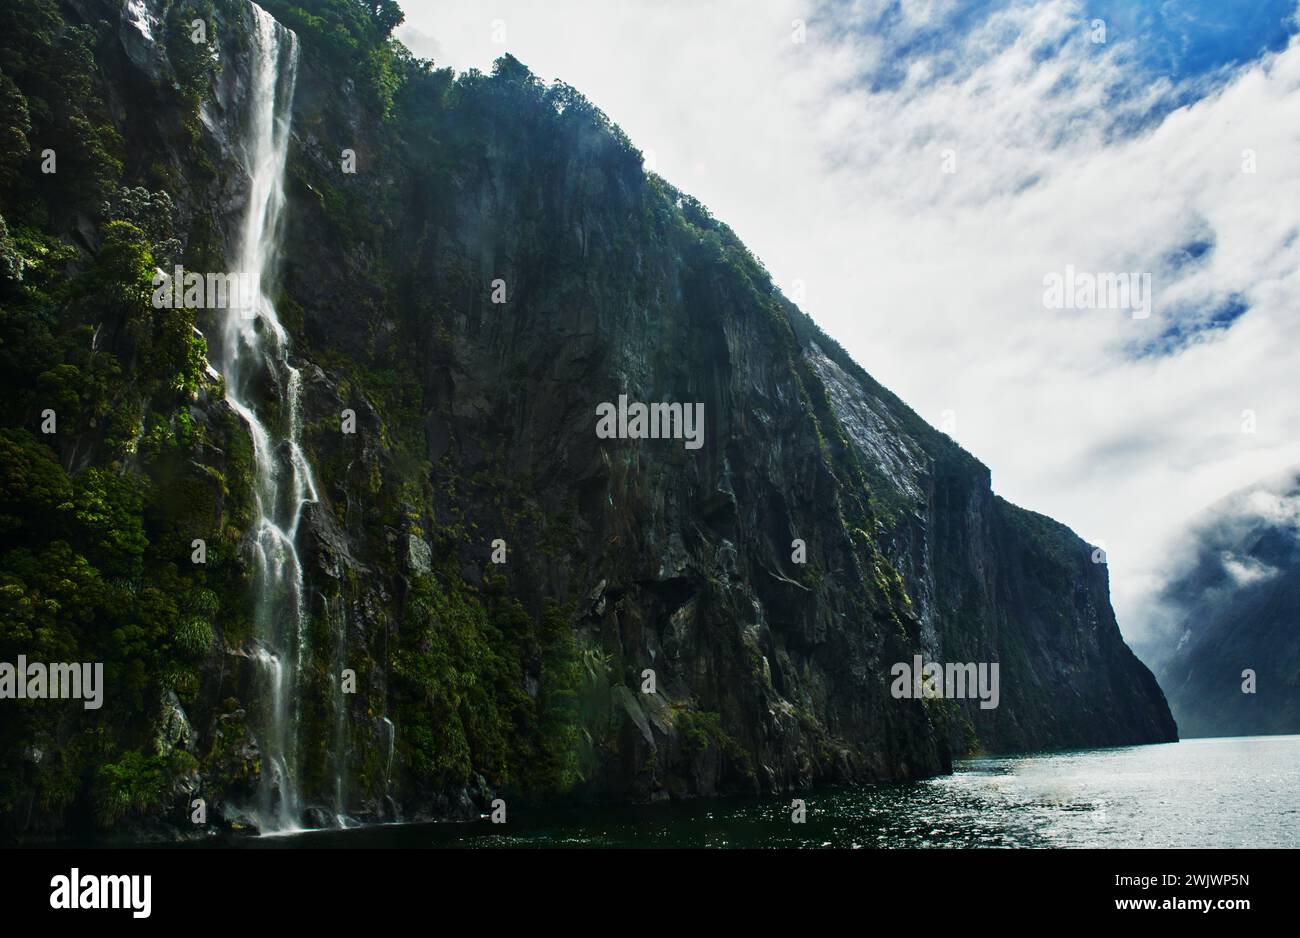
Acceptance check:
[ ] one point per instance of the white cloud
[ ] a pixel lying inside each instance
(826, 159)
(1276, 506)
(1246, 571)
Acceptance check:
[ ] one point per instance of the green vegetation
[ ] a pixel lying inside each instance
(100, 492)
(354, 38)
(459, 690)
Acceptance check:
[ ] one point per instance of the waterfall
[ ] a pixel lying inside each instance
(339, 617)
(390, 734)
(264, 389)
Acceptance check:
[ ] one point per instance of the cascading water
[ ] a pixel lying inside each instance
(264, 389)
(390, 734)
(339, 617)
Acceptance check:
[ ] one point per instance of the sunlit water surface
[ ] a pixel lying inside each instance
(1239, 792)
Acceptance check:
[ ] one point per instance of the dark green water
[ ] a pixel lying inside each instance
(1239, 792)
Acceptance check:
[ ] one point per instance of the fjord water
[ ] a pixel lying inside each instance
(255, 359)
(1233, 792)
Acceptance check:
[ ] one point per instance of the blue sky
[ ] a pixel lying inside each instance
(916, 169)
(1194, 44)
(1194, 38)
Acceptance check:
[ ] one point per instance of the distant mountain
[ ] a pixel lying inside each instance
(1233, 605)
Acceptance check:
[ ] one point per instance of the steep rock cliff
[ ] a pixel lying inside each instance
(475, 423)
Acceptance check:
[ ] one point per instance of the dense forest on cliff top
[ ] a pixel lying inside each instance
(474, 423)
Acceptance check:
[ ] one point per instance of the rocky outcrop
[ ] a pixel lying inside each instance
(993, 582)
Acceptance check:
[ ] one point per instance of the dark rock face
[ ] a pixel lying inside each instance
(1229, 655)
(993, 582)
(668, 621)
(680, 561)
